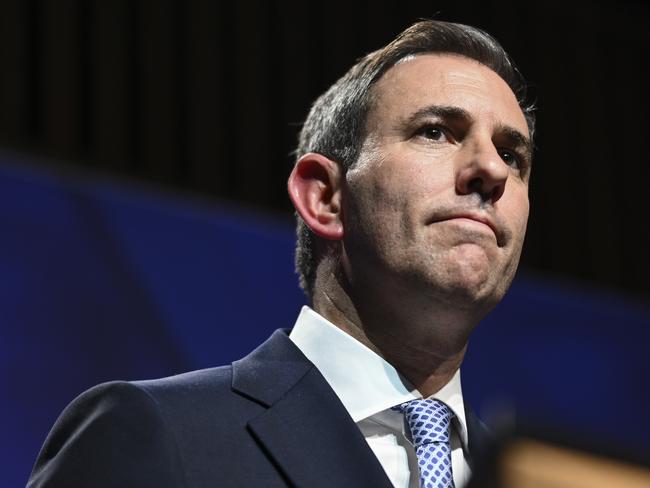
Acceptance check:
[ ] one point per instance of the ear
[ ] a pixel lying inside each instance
(315, 190)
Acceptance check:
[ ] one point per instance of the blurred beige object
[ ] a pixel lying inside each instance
(533, 464)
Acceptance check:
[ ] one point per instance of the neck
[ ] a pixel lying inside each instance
(426, 346)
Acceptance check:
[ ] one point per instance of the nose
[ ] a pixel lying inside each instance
(481, 170)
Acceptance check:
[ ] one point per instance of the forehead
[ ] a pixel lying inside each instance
(450, 80)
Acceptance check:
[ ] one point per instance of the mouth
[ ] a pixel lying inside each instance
(477, 219)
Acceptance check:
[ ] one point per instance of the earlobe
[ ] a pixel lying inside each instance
(315, 190)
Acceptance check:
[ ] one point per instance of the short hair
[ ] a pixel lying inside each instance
(335, 126)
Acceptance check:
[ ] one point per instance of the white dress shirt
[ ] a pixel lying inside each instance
(368, 387)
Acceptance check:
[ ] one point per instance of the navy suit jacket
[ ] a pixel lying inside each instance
(268, 420)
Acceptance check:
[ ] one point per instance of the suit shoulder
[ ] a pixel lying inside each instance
(113, 402)
(115, 434)
(176, 393)
(210, 378)
(122, 401)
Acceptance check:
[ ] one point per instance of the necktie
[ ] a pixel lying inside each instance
(429, 421)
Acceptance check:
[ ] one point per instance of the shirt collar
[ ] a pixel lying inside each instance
(375, 385)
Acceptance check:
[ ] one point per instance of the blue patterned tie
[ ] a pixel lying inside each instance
(429, 421)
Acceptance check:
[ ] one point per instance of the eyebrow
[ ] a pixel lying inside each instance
(442, 111)
(451, 112)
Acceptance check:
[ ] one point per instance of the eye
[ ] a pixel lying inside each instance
(433, 133)
(510, 158)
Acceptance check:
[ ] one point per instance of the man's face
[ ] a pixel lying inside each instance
(437, 203)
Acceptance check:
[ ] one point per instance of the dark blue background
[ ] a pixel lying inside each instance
(105, 281)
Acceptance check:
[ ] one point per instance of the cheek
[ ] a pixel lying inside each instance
(380, 193)
(518, 219)
(524, 210)
(379, 216)
(396, 188)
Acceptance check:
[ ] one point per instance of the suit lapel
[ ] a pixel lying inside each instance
(480, 437)
(305, 430)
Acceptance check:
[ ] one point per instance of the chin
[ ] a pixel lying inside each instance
(471, 292)
(468, 280)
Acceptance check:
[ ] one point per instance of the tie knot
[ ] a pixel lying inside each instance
(428, 420)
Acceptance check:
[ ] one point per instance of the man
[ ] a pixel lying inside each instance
(411, 186)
